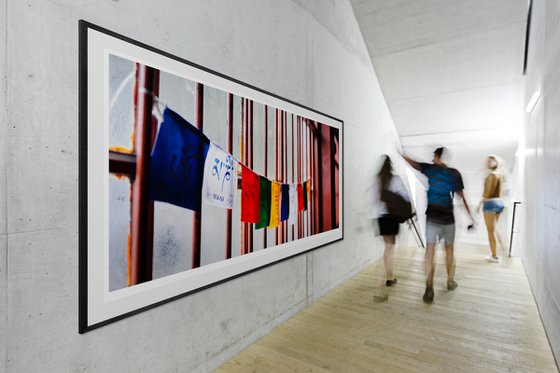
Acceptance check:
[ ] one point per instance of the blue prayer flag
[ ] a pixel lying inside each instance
(285, 202)
(177, 162)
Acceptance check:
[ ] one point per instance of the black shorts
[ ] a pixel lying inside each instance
(387, 227)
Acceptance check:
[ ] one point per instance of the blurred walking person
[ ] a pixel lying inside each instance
(394, 208)
(492, 205)
(444, 183)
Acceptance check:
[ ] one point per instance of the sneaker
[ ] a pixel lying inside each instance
(492, 259)
(451, 284)
(428, 295)
(391, 282)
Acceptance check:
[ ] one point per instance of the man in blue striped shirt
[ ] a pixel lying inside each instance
(444, 183)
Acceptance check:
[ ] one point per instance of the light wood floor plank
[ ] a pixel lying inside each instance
(490, 323)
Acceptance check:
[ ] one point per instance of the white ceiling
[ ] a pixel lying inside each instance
(451, 72)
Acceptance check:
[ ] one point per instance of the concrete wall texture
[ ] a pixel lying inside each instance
(309, 51)
(541, 239)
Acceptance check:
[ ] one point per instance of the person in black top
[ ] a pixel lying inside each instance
(444, 183)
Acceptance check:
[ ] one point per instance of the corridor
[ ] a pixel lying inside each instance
(490, 323)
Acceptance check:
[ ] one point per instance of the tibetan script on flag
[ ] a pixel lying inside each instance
(220, 177)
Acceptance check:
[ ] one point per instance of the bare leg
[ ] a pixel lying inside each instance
(429, 264)
(489, 219)
(388, 255)
(498, 235)
(450, 262)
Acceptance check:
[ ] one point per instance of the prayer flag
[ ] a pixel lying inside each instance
(274, 204)
(305, 194)
(220, 177)
(177, 162)
(285, 202)
(250, 196)
(264, 217)
(300, 197)
(293, 204)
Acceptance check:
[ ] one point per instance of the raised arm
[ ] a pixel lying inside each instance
(412, 162)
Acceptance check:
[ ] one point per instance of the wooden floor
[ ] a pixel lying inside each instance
(490, 323)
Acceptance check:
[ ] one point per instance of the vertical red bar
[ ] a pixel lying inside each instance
(230, 151)
(197, 215)
(265, 232)
(299, 173)
(309, 177)
(304, 168)
(282, 164)
(293, 168)
(327, 194)
(285, 168)
(315, 182)
(336, 167)
(141, 250)
(277, 158)
(250, 163)
(244, 159)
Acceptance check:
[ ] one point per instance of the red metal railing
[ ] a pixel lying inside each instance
(142, 209)
(314, 158)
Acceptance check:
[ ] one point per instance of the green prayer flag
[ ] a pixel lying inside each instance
(264, 219)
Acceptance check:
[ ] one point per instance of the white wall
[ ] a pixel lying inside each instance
(541, 151)
(308, 51)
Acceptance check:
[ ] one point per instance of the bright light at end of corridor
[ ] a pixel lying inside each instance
(533, 102)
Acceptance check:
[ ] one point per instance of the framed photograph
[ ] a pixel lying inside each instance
(189, 178)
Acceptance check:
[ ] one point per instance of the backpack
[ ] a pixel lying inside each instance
(400, 210)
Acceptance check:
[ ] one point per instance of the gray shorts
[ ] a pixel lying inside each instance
(436, 232)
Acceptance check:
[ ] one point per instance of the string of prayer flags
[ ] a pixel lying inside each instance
(300, 198)
(293, 204)
(285, 202)
(177, 162)
(275, 192)
(187, 168)
(250, 195)
(264, 216)
(220, 177)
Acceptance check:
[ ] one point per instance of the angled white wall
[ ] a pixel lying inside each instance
(309, 52)
(539, 165)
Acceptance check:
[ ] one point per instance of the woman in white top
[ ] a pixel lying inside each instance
(388, 228)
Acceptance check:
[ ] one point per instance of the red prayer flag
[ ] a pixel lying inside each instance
(301, 206)
(250, 196)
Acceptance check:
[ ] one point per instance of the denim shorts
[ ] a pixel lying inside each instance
(436, 232)
(493, 205)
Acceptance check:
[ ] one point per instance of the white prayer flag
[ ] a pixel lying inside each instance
(292, 219)
(220, 178)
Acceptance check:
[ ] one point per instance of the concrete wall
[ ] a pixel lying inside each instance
(541, 152)
(308, 51)
(3, 185)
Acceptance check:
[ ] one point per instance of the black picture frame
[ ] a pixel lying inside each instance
(85, 271)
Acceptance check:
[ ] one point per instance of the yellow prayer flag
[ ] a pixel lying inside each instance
(275, 192)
